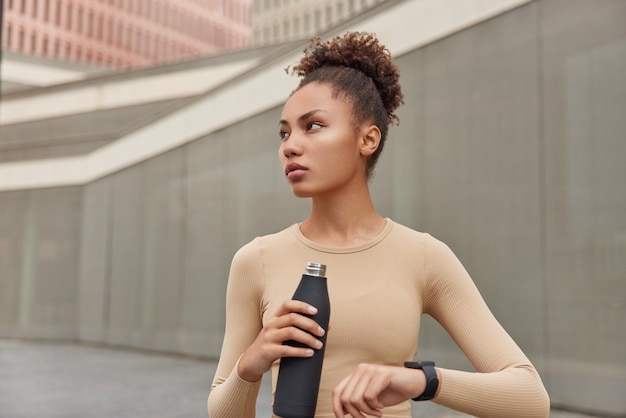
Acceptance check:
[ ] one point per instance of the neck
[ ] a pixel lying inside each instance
(343, 221)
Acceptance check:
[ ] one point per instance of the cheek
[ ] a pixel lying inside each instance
(348, 151)
(343, 159)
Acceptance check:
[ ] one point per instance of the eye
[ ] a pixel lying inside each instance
(313, 126)
(283, 135)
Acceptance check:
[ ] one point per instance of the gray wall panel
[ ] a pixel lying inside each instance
(207, 243)
(404, 150)
(481, 165)
(585, 98)
(127, 252)
(57, 214)
(13, 258)
(48, 279)
(162, 278)
(95, 262)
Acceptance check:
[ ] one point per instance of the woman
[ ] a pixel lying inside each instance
(381, 276)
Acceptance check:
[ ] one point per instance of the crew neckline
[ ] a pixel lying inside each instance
(342, 250)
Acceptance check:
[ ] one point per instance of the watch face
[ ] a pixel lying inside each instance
(418, 364)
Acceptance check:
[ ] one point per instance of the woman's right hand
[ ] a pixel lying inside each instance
(286, 324)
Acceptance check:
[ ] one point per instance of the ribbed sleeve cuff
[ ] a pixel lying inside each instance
(489, 394)
(235, 397)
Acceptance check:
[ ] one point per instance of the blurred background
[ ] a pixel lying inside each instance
(138, 152)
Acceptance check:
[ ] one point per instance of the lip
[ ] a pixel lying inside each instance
(294, 170)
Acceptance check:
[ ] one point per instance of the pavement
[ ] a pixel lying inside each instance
(62, 380)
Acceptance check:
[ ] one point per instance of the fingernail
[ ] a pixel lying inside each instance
(312, 309)
(309, 352)
(320, 331)
(318, 343)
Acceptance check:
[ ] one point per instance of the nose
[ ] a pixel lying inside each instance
(292, 146)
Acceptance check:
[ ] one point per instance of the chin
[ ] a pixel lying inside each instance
(304, 190)
(301, 191)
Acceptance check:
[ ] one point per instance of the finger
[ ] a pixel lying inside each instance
(297, 313)
(294, 319)
(275, 349)
(371, 393)
(297, 337)
(337, 406)
(291, 351)
(295, 306)
(358, 397)
(346, 397)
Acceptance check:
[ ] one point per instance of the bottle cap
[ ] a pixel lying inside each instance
(315, 269)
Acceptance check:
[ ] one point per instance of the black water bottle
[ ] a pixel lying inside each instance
(299, 377)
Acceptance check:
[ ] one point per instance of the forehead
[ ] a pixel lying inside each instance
(314, 96)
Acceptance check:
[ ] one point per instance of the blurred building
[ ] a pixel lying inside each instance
(275, 21)
(124, 33)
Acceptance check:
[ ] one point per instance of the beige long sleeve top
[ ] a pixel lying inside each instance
(378, 292)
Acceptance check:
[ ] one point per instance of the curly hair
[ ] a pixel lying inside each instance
(360, 69)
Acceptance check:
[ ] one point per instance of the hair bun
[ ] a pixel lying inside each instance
(360, 51)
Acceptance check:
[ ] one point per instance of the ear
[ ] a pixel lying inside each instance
(369, 139)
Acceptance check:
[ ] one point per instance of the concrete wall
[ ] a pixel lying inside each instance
(157, 239)
(39, 260)
(509, 150)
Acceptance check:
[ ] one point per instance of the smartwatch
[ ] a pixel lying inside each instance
(432, 382)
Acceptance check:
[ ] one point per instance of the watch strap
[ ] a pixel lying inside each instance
(432, 382)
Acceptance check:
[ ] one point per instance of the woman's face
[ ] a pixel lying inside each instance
(320, 150)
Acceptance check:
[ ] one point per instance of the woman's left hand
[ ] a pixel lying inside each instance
(370, 387)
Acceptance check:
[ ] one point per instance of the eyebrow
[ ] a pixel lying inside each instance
(303, 117)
